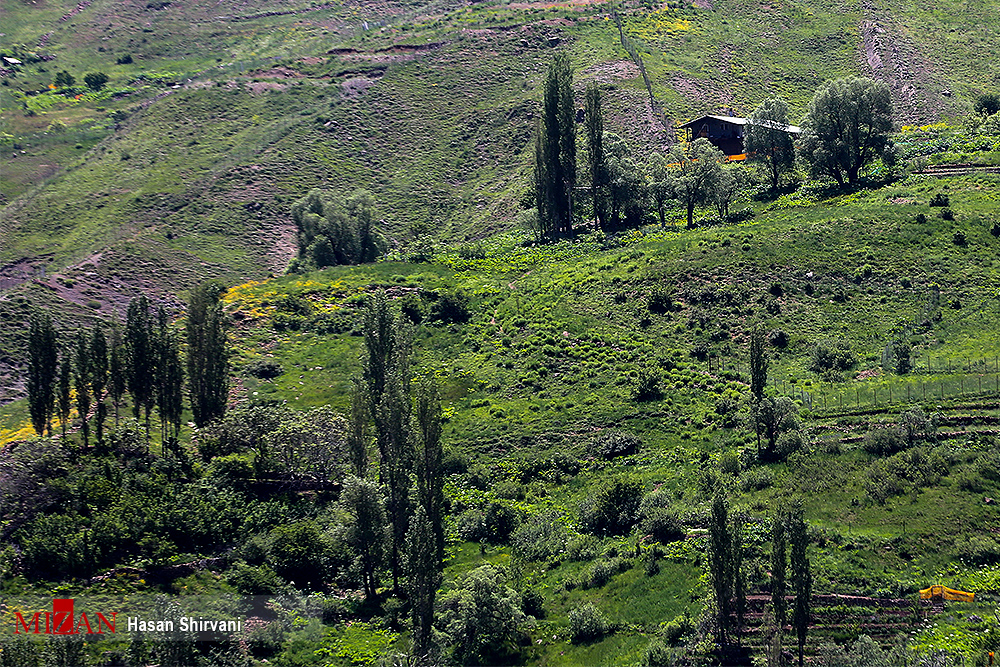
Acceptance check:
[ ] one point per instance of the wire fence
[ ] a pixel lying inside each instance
(935, 379)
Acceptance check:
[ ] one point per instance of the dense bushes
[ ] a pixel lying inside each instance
(613, 509)
(333, 230)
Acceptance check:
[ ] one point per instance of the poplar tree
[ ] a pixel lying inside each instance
(140, 357)
(43, 365)
(82, 376)
(117, 379)
(366, 533)
(594, 127)
(801, 578)
(357, 431)
(429, 460)
(778, 571)
(65, 400)
(169, 380)
(424, 578)
(99, 378)
(208, 356)
(720, 555)
(555, 152)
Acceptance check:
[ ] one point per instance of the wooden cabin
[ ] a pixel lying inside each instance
(725, 132)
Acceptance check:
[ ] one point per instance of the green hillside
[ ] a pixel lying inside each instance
(595, 391)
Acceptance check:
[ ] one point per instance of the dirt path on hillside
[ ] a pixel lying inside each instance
(889, 54)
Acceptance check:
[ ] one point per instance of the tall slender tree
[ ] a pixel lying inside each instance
(367, 531)
(43, 366)
(386, 380)
(555, 152)
(594, 127)
(208, 356)
(117, 378)
(801, 577)
(99, 379)
(758, 363)
(140, 357)
(357, 430)
(429, 460)
(65, 403)
(720, 559)
(83, 374)
(423, 579)
(778, 571)
(170, 378)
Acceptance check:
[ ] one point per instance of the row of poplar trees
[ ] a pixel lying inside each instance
(790, 574)
(142, 359)
(402, 514)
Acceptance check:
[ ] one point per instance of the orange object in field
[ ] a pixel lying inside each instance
(944, 593)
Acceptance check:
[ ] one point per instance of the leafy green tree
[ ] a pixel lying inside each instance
(697, 169)
(333, 230)
(84, 373)
(65, 403)
(43, 365)
(778, 571)
(720, 564)
(366, 532)
(771, 418)
(555, 152)
(386, 379)
(483, 617)
(625, 186)
(614, 508)
(661, 187)
(140, 355)
(357, 431)
(801, 577)
(594, 128)
(758, 363)
(117, 369)
(395, 443)
(169, 378)
(424, 576)
(768, 141)
(99, 379)
(208, 354)
(429, 460)
(95, 80)
(847, 127)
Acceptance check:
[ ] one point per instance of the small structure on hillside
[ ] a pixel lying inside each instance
(725, 132)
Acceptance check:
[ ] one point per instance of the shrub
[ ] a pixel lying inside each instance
(885, 440)
(940, 200)
(587, 623)
(830, 357)
(613, 508)
(451, 307)
(663, 525)
(264, 369)
(947, 214)
(674, 631)
(532, 603)
(540, 537)
(987, 104)
(612, 444)
(647, 386)
(958, 238)
(778, 339)
(582, 548)
(921, 219)
(660, 301)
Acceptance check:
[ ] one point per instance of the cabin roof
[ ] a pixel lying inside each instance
(733, 120)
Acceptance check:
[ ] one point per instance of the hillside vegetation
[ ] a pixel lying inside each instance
(595, 390)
